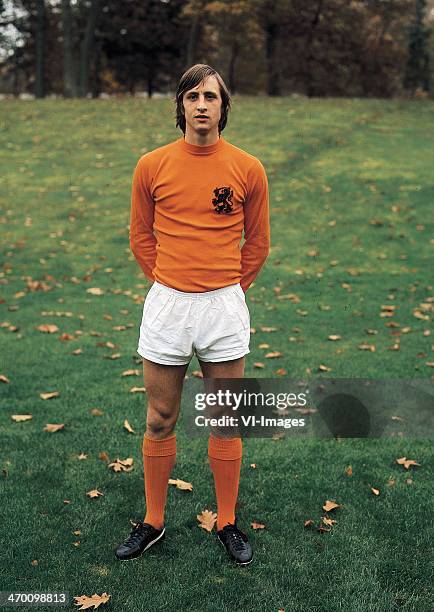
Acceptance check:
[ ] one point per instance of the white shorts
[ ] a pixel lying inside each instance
(214, 324)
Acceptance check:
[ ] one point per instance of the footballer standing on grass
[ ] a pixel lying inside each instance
(191, 200)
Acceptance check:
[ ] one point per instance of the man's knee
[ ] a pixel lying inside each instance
(161, 420)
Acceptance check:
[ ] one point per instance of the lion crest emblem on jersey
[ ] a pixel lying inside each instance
(223, 199)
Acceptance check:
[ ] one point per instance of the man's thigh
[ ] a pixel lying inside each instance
(164, 385)
(223, 369)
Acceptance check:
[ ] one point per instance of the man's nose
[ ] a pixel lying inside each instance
(201, 104)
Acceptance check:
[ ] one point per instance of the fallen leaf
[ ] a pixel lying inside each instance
(96, 412)
(255, 525)
(334, 337)
(91, 602)
(308, 523)
(107, 344)
(330, 505)
(128, 427)
(103, 456)
(120, 465)
(77, 351)
(258, 364)
(138, 390)
(21, 417)
(292, 297)
(367, 347)
(64, 337)
(253, 465)
(375, 491)
(197, 374)
(81, 456)
(94, 493)
(406, 462)
(95, 291)
(48, 329)
(131, 373)
(328, 521)
(114, 356)
(49, 395)
(394, 347)
(268, 329)
(207, 519)
(52, 427)
(324, 368)
(181, 484)
(4, 379)
(305, 410)
(273, 355)
(349, 471)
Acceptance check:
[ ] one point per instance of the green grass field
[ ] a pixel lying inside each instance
(351, 192)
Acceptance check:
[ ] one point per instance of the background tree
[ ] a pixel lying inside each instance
(418, 70)
(87, 48)
(69, 82)
(371, 48)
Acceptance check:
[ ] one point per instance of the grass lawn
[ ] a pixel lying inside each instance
(351, 193)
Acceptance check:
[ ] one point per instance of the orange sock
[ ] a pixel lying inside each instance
(224, 456)
(159, 457)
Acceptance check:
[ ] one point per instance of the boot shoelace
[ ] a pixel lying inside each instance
(137, 532)
(236, 536)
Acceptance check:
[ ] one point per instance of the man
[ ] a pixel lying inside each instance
(191, 200)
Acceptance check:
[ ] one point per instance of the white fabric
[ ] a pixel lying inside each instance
(214, 324)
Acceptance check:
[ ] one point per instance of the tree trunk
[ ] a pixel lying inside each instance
(96, 80)
(193, 35)
(40, 42)
(309, 55)
(87, 47)
(235, 49)
(69, 82)
(271, 45)
(150, 82)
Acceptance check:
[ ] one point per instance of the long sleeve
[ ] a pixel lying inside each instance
(256, 247)
(142, 239)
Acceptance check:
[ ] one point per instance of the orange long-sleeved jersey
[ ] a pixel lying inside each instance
(189, 207)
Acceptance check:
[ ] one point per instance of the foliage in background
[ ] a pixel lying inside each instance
(362, 48)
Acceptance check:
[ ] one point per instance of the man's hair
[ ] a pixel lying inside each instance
(190, 79)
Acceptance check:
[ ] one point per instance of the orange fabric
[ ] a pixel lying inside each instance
(159, 457)
(224, 456)
(177, 234)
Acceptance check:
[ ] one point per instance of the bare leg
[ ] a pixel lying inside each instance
(163, 388)
(224, 369)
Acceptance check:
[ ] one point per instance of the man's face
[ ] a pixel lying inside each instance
(203, 100)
